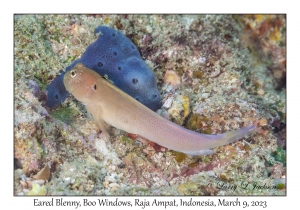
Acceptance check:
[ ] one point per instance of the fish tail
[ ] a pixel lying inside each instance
(221, 139)
(232, 136)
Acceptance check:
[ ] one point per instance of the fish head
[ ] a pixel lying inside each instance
(81, 82)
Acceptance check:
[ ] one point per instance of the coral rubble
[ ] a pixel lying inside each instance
(215, 73)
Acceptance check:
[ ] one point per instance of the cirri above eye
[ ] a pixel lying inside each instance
(73, 73)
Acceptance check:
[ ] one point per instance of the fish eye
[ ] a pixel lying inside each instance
(73, 73)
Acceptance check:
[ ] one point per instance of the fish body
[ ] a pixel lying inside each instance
(110, 105)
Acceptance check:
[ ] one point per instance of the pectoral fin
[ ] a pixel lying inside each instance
(97, 113)
(103, 127)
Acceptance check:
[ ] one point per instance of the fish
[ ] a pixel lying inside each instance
(110, 106)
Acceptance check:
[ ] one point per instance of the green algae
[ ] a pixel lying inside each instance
(280, 186)
(127, 140)
(42, 86)
(280, 155)
(66, 114)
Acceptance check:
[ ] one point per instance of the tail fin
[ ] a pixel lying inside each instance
(231, 136)
(222, 139)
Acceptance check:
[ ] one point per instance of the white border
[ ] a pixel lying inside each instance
(154, 6)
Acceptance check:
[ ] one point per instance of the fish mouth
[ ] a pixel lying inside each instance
(68, 83)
